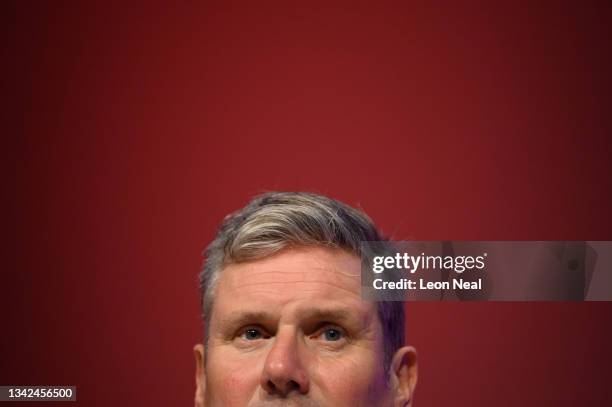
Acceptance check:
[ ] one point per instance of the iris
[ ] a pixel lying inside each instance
(332, 334)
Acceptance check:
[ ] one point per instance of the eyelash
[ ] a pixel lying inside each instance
(262, 334)
(243, 332)
(330, 327)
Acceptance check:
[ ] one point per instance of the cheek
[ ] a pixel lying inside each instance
(351, 382)
(231, 385)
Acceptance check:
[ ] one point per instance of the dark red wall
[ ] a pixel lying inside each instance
(132, 130)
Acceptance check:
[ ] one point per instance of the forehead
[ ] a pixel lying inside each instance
(304, 276)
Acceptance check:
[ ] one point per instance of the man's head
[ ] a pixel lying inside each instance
(284, 320)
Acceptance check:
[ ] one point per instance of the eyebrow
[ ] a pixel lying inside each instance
(239, 319)
(332, 314)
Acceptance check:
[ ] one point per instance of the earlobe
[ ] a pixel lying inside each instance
(404, 375)
(198, 351)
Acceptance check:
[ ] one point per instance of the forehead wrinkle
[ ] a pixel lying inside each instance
(323, 282)
(279, 283)
(241, 278)
(294, 270)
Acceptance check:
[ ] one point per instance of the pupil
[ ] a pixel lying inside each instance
(252, 334)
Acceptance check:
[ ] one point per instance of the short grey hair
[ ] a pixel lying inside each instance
(277, 220)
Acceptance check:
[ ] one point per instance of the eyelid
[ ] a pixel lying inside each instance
(264, 332)
(322, 327)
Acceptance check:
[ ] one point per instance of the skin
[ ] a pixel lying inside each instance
(292, 330)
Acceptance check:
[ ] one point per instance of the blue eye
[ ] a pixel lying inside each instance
(252, 334)
(332, 334)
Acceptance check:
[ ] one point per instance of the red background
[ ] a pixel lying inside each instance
(132, 130)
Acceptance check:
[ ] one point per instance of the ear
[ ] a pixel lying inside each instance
(198, 351)
(403, 376)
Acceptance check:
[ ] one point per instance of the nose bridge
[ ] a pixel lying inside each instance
(284, 369)
(284, 357)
